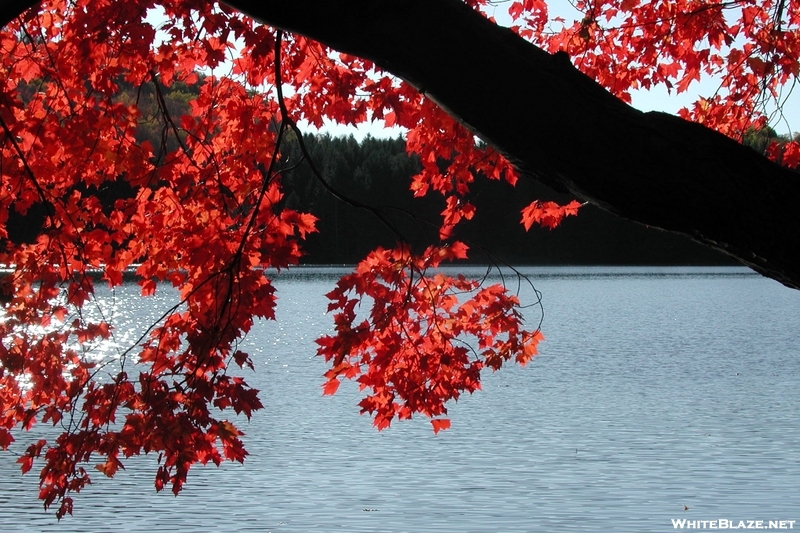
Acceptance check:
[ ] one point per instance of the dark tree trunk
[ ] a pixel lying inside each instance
(560, 127)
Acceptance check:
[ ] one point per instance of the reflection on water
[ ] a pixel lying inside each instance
(656, 389)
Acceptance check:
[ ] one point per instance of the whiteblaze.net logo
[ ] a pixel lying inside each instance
(723, 523)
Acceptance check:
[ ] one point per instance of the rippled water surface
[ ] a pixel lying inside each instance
(656, 389)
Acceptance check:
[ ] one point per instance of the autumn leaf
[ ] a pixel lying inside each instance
(110, 467)
(547, 214)
(5, 438)
(331, 387)
(148, 287)
(439, 424)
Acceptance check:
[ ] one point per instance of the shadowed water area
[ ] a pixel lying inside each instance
(657, 389)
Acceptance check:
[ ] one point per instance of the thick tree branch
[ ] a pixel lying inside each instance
(562, 128)
(11, 9)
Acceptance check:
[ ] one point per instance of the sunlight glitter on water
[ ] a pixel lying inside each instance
(655, 389)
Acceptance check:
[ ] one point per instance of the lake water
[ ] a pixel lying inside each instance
(657, 388)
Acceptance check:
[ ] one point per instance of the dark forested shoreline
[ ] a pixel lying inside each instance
(377, 172)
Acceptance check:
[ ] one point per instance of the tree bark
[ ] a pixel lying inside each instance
(560, 127)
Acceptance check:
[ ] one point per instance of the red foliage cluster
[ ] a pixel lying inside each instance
(749, 46)
(411, 349)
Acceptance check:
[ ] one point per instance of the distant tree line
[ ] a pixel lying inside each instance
(377, 172)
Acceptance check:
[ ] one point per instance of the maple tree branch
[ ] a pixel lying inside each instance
(9, 136)
(286, 118)
(164, 110)
(777, 19)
